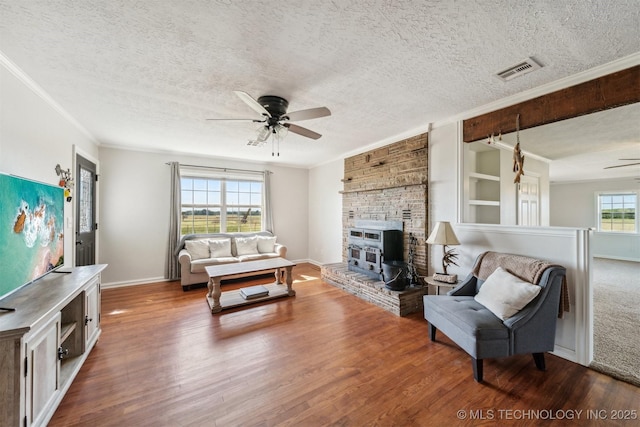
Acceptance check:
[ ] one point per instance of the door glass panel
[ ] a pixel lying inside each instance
(85, 201)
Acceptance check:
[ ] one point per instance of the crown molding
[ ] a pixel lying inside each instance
(24, 78)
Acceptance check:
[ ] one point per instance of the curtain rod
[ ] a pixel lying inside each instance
(221, 169)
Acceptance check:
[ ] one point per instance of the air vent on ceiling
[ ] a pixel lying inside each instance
(524, 67)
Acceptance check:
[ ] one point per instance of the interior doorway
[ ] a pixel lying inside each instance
(529, 201)
(86, 225)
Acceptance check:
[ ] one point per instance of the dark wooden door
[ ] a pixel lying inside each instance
(85, 212)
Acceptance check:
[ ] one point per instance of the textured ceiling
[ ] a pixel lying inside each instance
(147, 74)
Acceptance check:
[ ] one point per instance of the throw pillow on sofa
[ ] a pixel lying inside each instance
(198, 249)
(505, 294)
(247, 245)
(220, 248)
(266, 244)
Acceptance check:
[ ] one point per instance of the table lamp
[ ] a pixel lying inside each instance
(442, 234)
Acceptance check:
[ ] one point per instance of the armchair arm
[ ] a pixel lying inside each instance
(549, 295)
(185, 266)
(466, 288)
(281, 250)
(533, 329)
(184, 257)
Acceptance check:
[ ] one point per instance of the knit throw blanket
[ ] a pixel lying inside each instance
(526, 268)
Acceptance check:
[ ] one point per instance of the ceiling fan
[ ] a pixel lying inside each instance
(275, 121)
(625, 165)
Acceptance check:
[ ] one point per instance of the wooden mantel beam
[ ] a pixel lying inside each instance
(610, 91)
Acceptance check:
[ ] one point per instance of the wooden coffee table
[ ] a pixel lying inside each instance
(219, 300)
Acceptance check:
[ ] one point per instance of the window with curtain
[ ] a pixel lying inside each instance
(617, 212)
(214, 205)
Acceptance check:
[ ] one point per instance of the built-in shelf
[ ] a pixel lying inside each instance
(484, 202)
(477, 175)
(66, 330)
(482, 172)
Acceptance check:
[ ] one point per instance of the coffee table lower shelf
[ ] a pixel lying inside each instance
(231, 299)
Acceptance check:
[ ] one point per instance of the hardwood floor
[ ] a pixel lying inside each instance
(323, 357)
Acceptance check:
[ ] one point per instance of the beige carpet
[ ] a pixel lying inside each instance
(616, 319)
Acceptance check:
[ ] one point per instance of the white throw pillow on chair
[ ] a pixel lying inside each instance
(505, 294)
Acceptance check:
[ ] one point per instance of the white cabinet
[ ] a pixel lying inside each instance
(45, 341)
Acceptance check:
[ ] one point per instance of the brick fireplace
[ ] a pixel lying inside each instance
(386, 184)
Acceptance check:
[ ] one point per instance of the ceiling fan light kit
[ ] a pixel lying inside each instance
(276, 121)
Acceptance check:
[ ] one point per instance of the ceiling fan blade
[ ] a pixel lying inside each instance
(622, 166)
(248, 99)
(302, 131)
(239, 120)
(311, 113)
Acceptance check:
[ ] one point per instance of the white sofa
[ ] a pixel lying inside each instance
(197, 251)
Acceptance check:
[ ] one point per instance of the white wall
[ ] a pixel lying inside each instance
(325, 213)
(574, 205)
(443, 185)
(35, 135)
(134, 201)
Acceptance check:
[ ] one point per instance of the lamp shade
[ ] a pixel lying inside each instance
(442, 234)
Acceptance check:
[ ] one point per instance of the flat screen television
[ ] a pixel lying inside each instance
(31, 231)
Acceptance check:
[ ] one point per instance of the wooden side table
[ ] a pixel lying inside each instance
(429, 281)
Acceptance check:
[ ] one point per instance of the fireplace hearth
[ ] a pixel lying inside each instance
(400, 303)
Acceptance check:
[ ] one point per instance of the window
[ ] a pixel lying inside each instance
(617, 212)
(214, 205)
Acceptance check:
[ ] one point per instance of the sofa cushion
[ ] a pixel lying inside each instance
(505, 294)
(198, 249)
(266, 244)
(255, 257)
(220, 248)
(246, 245)
(467, 315)
(198, 265)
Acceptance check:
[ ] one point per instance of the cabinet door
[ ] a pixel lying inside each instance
(92, 313)
(43, 370)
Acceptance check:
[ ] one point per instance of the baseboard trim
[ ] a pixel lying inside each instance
(565, 353)
(133, 282)
(125, 283)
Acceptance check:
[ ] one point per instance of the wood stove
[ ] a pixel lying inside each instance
(368, 248)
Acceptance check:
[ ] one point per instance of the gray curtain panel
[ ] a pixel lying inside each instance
(172, 269)
(268, 214)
